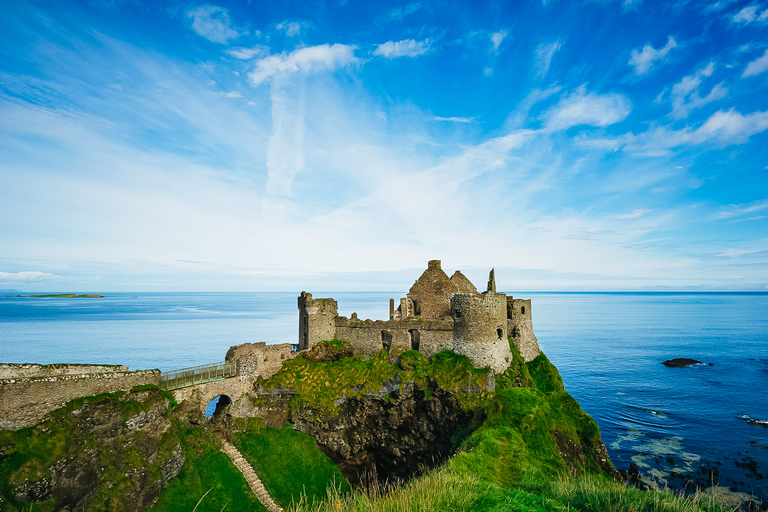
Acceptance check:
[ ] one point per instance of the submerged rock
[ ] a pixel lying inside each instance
(681, 362)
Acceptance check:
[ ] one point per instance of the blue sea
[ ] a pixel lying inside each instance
(695, 424)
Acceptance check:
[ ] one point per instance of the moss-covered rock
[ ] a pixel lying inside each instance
(108, 452)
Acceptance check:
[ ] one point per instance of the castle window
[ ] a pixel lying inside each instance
(386, 339)
(417, 307)
(415, 338)
(282, 356)
(499, 332)
(522, 310)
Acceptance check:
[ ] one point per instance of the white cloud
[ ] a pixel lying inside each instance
(757, 66)
(26, 277)
(291, 28)
(497, 38)
(685, 94)
(634, 214)
(399, 13)
(630, 5)
(746, 15)
(743, 209)
(643, 60)
(582, 107)
(455, 119)
(304, 60)
(488, 71)
(718, 6)
(544, 54)
(248, 53)
(722, 127)
(213, 23)
(405, 48)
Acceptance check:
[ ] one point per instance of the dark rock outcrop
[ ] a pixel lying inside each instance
(398, 433)
(328, 352)
(680, 362)
(117, 451)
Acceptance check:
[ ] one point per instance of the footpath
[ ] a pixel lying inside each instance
(250, 476)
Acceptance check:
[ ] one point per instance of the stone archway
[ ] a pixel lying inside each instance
(217, 406)
(202, 394)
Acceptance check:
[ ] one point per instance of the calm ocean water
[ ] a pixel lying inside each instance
(607, 346)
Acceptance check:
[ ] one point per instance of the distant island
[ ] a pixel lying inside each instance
(65, 296)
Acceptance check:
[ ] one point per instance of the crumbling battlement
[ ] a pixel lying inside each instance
(438, 313)
(260, 359)
(16, 371)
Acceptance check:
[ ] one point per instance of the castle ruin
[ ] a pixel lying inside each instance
(438, 313)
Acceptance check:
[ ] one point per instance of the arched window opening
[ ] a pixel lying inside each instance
(500, 332)
(522, 310)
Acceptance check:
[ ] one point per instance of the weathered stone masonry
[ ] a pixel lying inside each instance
(29, 392)
(438, 313)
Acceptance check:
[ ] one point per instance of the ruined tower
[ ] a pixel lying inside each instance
(520, 328)
(480, 327)
(316, 320)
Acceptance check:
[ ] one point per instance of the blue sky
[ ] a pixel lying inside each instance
(594, 145)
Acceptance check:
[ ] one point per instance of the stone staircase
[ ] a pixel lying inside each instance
(250, 476)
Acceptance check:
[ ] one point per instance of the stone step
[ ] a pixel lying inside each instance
(253, 480)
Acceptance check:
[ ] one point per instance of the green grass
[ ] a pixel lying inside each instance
(206, 470)
(512, 460)
(29, 452)
(445, 490)
(289, 464)
(322, 384)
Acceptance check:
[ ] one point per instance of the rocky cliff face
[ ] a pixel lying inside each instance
(109, 452)
(392, 418)
(389, 437)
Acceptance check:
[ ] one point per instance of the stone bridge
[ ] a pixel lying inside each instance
(233, 388)
(232, 378)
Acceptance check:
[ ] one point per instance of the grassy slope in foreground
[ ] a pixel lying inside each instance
(511, 462)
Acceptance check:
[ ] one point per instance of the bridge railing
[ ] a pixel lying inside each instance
(184, 377)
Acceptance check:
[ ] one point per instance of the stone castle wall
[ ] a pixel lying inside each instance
(261, 359)
(480, 329)
(24, 401)
(368, 337)
(316, 320)
(429, 319)
(16, 371)
(520, 327)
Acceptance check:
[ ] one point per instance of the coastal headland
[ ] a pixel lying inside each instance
(449, 402)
